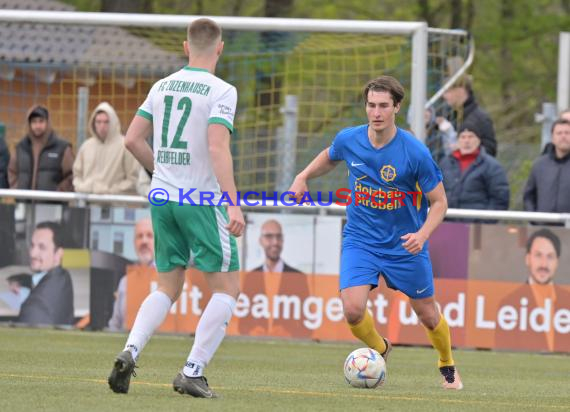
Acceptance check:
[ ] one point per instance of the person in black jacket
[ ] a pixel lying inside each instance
(473, 179)
(42, 160)
(466, 109)
(548, 186)
(51, 299)
(4, 160)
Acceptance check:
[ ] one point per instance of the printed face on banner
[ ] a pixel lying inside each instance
(271, 240)
(47, 278)
(542, 261)
(519, 254)
(293, 243)
(144, 241)
(44, 254)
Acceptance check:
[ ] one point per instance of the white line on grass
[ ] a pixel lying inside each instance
(298, 392)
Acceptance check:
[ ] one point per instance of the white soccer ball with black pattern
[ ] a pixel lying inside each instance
(365, 368)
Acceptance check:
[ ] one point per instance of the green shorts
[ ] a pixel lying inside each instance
(193, 236)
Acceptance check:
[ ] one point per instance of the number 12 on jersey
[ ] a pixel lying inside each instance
(184, 104)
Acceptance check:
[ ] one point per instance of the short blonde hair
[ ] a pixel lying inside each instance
(203, 33)
(465, 81)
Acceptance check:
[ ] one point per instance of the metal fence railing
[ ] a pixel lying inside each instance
(84, 199)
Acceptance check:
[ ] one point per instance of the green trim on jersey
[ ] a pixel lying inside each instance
(144, 114)
(193, 236)
(220, 120)
(195, 69)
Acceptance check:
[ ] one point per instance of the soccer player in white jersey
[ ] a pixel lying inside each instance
(190, 113)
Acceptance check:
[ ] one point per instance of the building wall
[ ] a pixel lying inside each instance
(29, 87)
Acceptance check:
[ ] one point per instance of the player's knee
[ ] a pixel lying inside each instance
(353, 313)
(229, 289)
(236, 294)
(232, 289)
(172, 293)
(429, 320)
(172, 289)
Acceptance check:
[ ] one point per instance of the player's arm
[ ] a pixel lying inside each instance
(222, 163)
(321, 165)
(139, 131)
(414, 242)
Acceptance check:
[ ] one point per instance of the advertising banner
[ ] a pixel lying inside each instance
(499, 286)
(481, 314)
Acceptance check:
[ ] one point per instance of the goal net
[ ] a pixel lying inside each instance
(296, 88)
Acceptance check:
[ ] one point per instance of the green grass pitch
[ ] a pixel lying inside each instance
(52, 370)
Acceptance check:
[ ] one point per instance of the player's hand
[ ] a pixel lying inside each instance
(414, 242)
(299, 187)
(236, 223)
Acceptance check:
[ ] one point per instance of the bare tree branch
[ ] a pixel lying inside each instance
(456, 13)
(126, 6)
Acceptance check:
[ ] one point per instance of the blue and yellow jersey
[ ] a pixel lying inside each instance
(388, 187)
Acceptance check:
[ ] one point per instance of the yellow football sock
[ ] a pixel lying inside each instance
(367, 333)
(441, 341)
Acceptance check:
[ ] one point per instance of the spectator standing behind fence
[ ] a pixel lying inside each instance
(42, 160)
(144, 179)
(103, 164)
(4, 160)
(441, 137)
(548, 186)
(143, 182)
(462, 100)
(473, 179)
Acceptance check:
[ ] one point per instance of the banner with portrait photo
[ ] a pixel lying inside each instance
(500, 286)
(481, 314)
(497, 313)
(45, 279)
(63, 264)
(304, 243)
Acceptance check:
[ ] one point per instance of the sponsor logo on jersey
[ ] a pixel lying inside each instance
(225, 109)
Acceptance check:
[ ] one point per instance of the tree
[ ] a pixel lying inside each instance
(278, 8)
(456, 14)
(507, 15)
(126, 6)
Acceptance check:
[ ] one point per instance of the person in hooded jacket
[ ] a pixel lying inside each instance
(472, 178)
(461, 98)
(103, 164)
(548, 186)
(42, 160)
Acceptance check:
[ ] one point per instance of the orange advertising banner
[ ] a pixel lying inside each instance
(480, 313)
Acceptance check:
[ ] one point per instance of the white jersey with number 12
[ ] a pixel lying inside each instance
(181, 106)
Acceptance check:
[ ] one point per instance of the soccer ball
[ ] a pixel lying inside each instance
(365, 368)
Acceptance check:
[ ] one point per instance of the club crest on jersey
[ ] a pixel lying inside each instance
(388, 173)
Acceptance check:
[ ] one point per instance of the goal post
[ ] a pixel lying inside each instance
(321, 65)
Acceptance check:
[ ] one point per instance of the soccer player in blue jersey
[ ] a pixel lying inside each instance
(391, 174)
